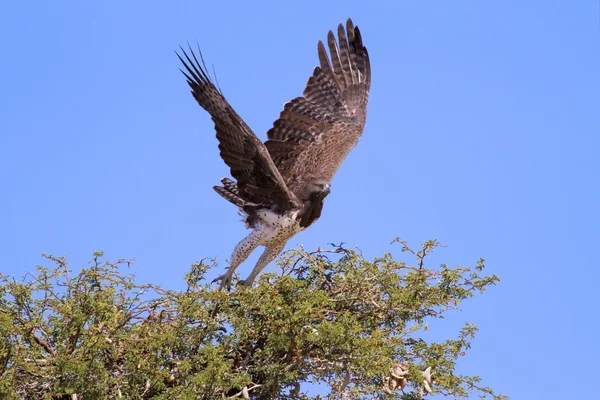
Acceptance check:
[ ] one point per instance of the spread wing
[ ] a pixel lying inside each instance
(315, 132)
(258, 179)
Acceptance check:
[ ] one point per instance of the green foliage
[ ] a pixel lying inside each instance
(330, 317)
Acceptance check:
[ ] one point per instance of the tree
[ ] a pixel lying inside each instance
(330, 317)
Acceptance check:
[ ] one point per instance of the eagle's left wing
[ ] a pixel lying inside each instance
(258, 179)
(315, 132)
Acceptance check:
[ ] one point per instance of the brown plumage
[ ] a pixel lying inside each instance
(281, 184)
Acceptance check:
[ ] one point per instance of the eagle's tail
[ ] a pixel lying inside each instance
(230, 192)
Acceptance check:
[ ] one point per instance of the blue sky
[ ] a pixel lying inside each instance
(482, 132)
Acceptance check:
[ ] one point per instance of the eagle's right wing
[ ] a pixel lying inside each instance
(258, 179)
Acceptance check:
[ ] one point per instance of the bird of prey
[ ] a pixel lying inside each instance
(280, 185)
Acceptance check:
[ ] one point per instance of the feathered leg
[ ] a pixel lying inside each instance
(240, 253)
(266, 257)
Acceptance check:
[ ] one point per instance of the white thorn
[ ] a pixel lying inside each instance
(427, 387)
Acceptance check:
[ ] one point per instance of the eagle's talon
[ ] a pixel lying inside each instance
(225, 280)
(246, 282)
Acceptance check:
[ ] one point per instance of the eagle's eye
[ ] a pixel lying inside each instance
(320, 185)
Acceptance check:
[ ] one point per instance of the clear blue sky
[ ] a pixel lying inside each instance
(483, 132)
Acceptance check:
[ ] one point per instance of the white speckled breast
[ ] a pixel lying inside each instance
(278, 228)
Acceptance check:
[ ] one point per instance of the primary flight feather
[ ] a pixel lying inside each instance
(280, 185)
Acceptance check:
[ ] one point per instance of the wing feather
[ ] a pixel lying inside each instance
(345, 56)
(325, 63)
(336, 60)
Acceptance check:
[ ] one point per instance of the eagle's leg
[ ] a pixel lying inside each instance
(266, 257)
(240, 253)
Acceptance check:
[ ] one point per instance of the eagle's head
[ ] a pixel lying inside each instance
(315, 191)
(312, 190)
(319, 189)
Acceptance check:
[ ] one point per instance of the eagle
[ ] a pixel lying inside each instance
(280, 185)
